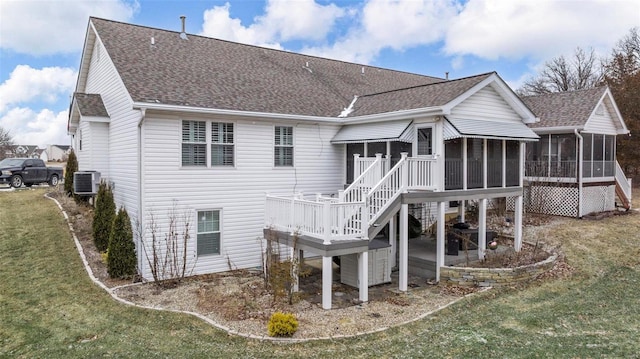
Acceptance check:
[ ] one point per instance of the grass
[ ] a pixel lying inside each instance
(49, 307)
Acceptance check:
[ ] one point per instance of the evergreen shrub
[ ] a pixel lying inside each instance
(282, 325)
(121, 257)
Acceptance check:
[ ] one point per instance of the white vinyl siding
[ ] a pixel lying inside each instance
(122, 142)
(222, 147)
(208, 236)
(239, 190)
(194, 143)
(601, 121)
(485, 104)
(283, 147)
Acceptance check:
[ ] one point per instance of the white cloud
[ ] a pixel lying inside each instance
(282, 21)
(27, 84)
(51, 27)
(494, 29)
(28, 127)
(397, 25)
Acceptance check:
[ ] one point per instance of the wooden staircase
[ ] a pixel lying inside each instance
(623, 187)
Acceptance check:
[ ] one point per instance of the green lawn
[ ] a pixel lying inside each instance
(49, 308)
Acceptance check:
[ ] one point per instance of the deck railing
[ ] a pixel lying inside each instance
(623, 182)
(330, 221)
(350, 214)
(365, 180)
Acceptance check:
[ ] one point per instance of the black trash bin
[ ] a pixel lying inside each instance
(453, 244)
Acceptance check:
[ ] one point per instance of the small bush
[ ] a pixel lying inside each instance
(121, 258)
(282, 325)
(104, 256)
(103, 216)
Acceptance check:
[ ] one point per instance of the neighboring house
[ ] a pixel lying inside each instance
(21, 151)
(56, 153)
(251, 142)
(572, 170)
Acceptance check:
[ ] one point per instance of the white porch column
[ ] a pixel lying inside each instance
(327, 270)
(440, 240)
(482, 228)
(461, 211)
(392, 241)
(363, 275)
(403, 273)
(517, 229)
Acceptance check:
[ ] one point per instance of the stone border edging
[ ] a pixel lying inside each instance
(490, 277)
(111, 292)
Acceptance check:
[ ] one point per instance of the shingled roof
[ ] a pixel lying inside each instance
(90, 105)
(564, 109)
(436, 94)
(211, 73)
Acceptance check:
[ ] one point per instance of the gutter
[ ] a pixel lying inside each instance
(396, 115)
(140, 218)
(579, 171)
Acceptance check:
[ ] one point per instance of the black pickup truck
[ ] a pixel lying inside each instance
(30, 171)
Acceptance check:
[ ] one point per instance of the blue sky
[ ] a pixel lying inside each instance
(41, 41)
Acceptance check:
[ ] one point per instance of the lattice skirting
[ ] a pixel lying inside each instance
(598, 199)
(563, 200)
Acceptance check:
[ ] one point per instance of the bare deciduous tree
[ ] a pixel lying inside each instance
(582, 71)
(6, 142)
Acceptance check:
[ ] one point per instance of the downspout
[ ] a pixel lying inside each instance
(140, 219)
(579, 171)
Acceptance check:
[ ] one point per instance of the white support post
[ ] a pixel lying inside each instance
(462, 211)
(327, 269)
(484, 163)
(464, 163)
(392, 241)
(517, 230)
(356, 165)
(403, 275)
(440, 240)
(363, 275)
(405, 171)
(327, 222)
(482, 228)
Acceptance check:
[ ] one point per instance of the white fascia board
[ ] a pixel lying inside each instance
(607, 93)
(557, 129)
(396, 115)
(216, 111)
(87, 52)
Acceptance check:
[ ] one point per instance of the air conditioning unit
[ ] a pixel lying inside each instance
(86, 182)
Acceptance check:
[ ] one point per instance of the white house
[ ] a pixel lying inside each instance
(572, 170)
(249, 140)
(55, 153)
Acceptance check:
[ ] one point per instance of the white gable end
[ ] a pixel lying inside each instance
(486, 104)
(602, 119)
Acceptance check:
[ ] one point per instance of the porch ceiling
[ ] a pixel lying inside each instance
(374, 132)
(459, 127)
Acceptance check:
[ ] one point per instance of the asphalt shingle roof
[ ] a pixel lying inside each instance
(571, 109)
(90, 104)
(211, 73)
(436, 94)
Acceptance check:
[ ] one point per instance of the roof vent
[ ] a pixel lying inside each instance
(446, 75)
(183, 33)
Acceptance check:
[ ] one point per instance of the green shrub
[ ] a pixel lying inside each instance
(282, 325)
(72, 166)
(103, 216)
(121, 258)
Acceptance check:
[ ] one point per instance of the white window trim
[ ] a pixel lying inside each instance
(434, 146)
(220, 230)
(208, 142)
(211, 143)
(273, 147)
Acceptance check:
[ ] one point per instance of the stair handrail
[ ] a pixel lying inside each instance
(353, 193)
(623, 181)
(397, 185)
